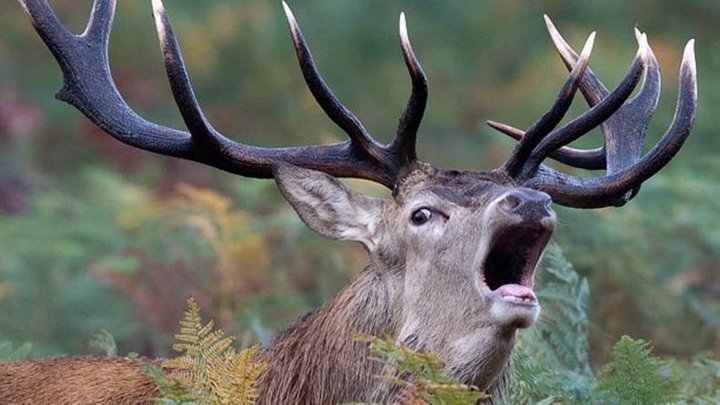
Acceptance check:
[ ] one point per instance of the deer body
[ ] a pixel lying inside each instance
(452, 253)
(401, 292)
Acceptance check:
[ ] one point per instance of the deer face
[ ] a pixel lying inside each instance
(464, 246)
(469, 243)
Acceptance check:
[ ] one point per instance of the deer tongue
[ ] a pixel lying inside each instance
(517, 291)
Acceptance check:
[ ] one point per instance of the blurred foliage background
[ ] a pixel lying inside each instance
(95, 235)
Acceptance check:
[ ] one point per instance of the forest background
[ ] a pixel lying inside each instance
(97, 236)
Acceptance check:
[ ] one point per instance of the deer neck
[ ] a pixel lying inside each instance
(319, 360)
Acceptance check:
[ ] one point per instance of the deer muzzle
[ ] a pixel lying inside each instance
(524, 222)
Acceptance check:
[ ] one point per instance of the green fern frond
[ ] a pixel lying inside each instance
(533, 381)
(424, 380)
(635, 377)
(561, 334)
(103, 342)
(173, 391)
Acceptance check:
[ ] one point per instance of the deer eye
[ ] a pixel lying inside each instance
(421, 216)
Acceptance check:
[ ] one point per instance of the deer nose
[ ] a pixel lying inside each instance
(530, 204)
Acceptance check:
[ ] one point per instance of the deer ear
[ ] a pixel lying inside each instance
(328, 207)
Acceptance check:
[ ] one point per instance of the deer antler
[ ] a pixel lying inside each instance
(623, 124)
(89, 87)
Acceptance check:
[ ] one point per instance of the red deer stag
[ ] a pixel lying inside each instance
(452, 253)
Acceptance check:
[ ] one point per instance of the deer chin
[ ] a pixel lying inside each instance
(507, 272)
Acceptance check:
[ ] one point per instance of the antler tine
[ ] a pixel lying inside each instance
(202, 132)
(46, 23)
(593, 91)
(616, 188)
(590, 86)
(641, 107)
(625, 142)
(100, 21)
(335, 110)
(593, 117)
(514, 164)
(590, 159)
(406, 136)
(512, 132)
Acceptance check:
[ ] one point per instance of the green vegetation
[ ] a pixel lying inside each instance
(423, 379)
(547, 369)
(97, 236)
(9, 352)
(552, 361)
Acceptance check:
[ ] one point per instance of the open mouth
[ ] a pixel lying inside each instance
(511, 260)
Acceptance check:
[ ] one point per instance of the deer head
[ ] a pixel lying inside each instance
(452, 253)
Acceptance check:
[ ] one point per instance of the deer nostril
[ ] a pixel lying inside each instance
(510, 203)
(527, 203)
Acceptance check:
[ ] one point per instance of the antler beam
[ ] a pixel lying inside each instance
(89, 87)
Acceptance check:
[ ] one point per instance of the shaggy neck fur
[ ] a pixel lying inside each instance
(319, 361)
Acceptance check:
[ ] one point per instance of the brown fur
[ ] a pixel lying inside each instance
(75, 380)
(319, 361)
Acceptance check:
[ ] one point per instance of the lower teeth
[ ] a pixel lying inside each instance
(517, 299)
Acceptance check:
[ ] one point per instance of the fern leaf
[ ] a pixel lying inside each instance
(420, 374)
(173, 391)
(104, 342)
(232, 380)
(635, 377)
(214, 344)
(209, 370)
